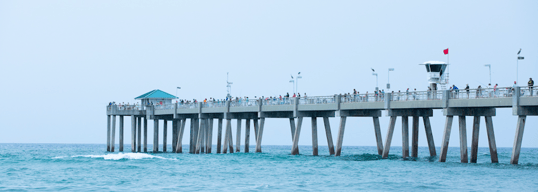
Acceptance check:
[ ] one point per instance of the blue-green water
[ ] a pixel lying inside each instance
(80, 167)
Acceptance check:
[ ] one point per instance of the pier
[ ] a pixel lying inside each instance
(479, 104)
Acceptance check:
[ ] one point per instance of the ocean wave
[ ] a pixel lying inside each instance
(120, 156)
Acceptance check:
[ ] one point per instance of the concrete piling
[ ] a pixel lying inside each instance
(174, 134)
(474, 142)
(295, 146)
(520, 127)
(133, 133)
(329, 135)
(446, 138)
(219, 135)
(463, 140)
(209, 135)
(230, 137)
(429, 135)
(405, 137)
(340, 139)
(292, 128)
(238, 136)
(247, 134)
(414, 141)
(108, 133)
(145, 134)
(113, 134)
(378, 136)
(491, 139)
(165, 134)
(256, 125)
(388, 139)
(155, 135)
(191, 136)
(121, 133)
(260, 136)
(314, 136)
(139, 147)
(200, 137)
(179, 145)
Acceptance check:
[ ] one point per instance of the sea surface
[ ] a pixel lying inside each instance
(88, 167)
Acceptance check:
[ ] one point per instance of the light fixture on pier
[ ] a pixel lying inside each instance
(292, 83)
(388, 78)
(517, 65)
(176, 91)
(374, 73)
(297, 82)
(228, 86)
(489, 65)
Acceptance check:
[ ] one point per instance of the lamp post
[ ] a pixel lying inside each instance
(489, 65)
(228, 86)
(388, 79)
(517, 66)
(292, 84)
(176, 92)
(376, 88)
(297, 82)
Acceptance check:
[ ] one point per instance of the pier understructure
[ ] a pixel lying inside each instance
(460, 103)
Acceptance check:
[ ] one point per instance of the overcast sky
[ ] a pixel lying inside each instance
(63, 61)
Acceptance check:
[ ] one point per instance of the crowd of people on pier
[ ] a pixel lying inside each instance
(377, 96)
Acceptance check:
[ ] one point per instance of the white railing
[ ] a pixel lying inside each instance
(187, 105)
(529, 91)
(243, 103)
(125, 107)
(215, 104)
(278, 101)
(317, 100)
(165, 106)
(483, 93)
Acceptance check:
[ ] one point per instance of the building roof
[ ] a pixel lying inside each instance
(156, 94)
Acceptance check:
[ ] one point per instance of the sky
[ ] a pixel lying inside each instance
(63, 61)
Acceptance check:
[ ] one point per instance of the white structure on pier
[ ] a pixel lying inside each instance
(437, 74)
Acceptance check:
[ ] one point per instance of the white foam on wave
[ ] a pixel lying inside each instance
(120, 156)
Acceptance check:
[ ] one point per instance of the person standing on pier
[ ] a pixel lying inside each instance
(531, 83)
(467, 90)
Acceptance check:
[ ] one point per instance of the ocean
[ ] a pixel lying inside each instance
(88, 167)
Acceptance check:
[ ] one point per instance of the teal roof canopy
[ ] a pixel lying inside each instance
(156, 94)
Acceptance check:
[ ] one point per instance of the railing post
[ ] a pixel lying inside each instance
(296, 106)
(446, 97)
(388, 98)
(175, 111)
(338, 101)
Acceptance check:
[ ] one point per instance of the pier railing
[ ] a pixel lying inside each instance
(165, 106)
(243, 103)
(317, 100)
(215, 104)
(187, 106)
(125, 107)
(483, 93)
(361, 98)
(278, 101)
(529, 91)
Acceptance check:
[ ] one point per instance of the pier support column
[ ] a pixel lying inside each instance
(256, 126)
(227, 136)
(203, 127)
(165, 134)
(491, 139)
(247, 134)
(121, 133)
(113, 134)
(463, 140)
(199, 140)
(388, 139)
(196, 130)
(378, 136)
(292, 127)
(155, 135)
(414, 142)
(260, 135)
(209, 139)
(238, 136)
(133, 133)
(108, 133)
(179, 147)
(230, 138)
(517, 140)
(446, 138)
(329, 135)
(405, 136)
(174, 134)
(139, 147)
(145, 134)
(295, 146)
(474, 142)
(429, 135)
(314, 136)
(192, 136)
(340, 139)
(219, 135)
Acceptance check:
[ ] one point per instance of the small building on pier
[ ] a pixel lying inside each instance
(156, 97)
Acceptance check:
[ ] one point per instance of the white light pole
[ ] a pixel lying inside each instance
(517, 67)
(229, 86)
(292, 84)
(297, 82)
(489, 65)
(176, 92)
(388, 78)
(376, 88)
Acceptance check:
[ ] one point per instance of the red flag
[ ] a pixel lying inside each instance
(445, 51)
